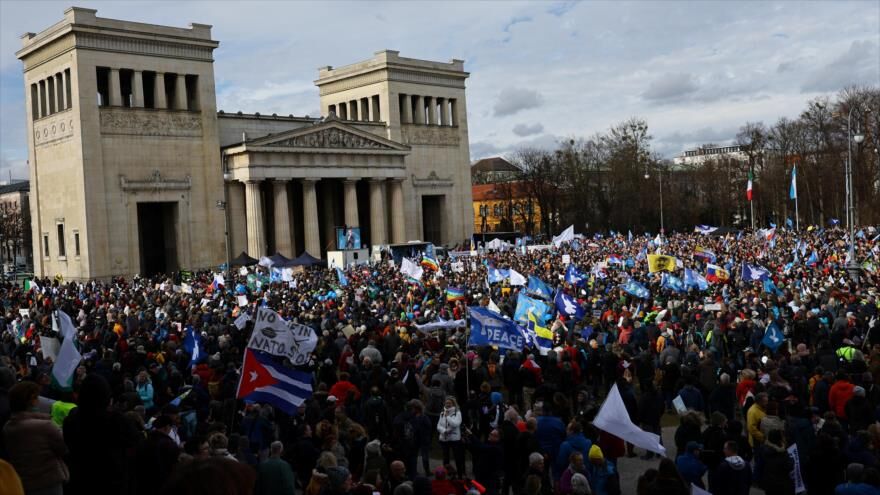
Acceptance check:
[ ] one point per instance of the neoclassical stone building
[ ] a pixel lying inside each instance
(133, 169)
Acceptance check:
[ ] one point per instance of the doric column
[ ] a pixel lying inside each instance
(453, 112)
(283, 239)
(375, 111)
(443, 103)
(137, 89)
(398, 226)
(159, 99)
(353, 109)
(311, 231)
(431, 102)
(256, 230)
(235, 207)
(59, 91)
(377, 212)
(365, 109)
(351, 203)
(407, 116)
(419, 111)
(115, 89)
(180, 93)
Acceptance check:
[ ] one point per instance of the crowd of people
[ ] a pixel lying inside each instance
(142, 416)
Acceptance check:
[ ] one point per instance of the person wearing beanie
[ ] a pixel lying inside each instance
(338, 481)
(859, 411)
(604, 478)
(690, 466)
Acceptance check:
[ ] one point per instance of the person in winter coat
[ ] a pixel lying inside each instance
(690, 466)
(777, 466)
(753, 420)
(839, 394)
(449, 429)
(550, 433)
(651, 409)
(687, 431)
(34, 444)
(488, 460)
(145, 390)
(575, 442)
(859, 411)
(575, 466)
(723, 397)
(733, 476)
(602, 475)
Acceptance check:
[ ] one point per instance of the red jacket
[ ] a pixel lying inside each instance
(341, 389)
(841, 392)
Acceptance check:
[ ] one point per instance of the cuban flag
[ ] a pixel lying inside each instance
(615, 259)
(705, 229)
(262, 380)
(693, 279)
(574, 276)
(567, 306)
(635, 289)
(754, 272)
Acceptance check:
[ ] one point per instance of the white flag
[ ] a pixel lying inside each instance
(567, 235)
(49, 347)
(68, 357)
(411, 269)
(614, 418)
(516, 278)
(242, 320)
(493, 307)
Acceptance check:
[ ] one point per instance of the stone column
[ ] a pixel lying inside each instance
(407, 110)
(137, 89)
(351, 202)
(180, 93)
(398, 226)
(444, 110)
(375, 111)
(453, 112)
(159, 99)
(59, 92)
(311, 231)
(283, 239)
(377, 212)
(256, 230)
(237, 217)
(115, 89)
(365, 109)
(353, 109)
(432, 109)
(419, 111)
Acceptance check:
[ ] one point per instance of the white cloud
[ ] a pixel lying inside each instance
(513, 100)
(523, 130)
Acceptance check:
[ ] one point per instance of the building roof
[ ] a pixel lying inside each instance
(498, 191)
(494, 164)
(18, 186)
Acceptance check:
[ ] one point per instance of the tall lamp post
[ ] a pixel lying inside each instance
(660, 176)
(852, 267)
(224, 205)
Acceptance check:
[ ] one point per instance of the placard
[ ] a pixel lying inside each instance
(566, 259)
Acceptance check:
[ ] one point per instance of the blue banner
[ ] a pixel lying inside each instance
(574, 276)
(669, 281)
(693, 280)
(634, 288)
(538, 288)
(568, 306)
(773, 337)
(488, 328)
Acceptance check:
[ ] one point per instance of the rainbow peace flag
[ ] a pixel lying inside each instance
(430, 263)
(454, 294)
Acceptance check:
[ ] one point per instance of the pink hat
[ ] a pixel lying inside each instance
(471, 355)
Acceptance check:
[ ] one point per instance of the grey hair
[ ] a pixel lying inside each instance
(535, 457)
(724, 378)
(276, 447)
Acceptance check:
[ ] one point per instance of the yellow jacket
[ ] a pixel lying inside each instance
(753, 424)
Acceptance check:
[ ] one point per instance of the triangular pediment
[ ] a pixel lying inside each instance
(330, 134)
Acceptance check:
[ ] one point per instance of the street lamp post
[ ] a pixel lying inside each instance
(660, 176)
(853, 266)
(224, 205)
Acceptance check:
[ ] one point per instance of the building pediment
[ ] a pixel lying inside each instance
(331, 134)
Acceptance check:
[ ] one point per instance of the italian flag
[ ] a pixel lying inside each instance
(749, 187)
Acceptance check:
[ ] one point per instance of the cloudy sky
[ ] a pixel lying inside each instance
(540, 71)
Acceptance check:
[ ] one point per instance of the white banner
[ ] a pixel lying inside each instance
(49, 346)
(437, 325)
(796, 472)
(242, 300)
(410, 269)
(242, 320)
(566, 259)
(277, 337)
(458, 267)
(23, 312)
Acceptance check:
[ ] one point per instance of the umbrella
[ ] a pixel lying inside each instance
(243, 260)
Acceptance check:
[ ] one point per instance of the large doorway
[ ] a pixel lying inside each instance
(432, 218)
(158, 237)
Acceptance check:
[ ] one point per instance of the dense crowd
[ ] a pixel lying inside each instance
(143, 417)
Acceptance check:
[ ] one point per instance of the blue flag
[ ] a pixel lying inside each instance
(524, 304)
(192, 346)
(488, 328)
(567, 305)
(669, 281)
(834, 221)
(770, 288)
(342, 280)
(788, 223)
(792, 191)
(634, 288)
(753, 273)
(574, 276)
(773, 337)
(813, 259)
(693, 280)
(538, 288)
